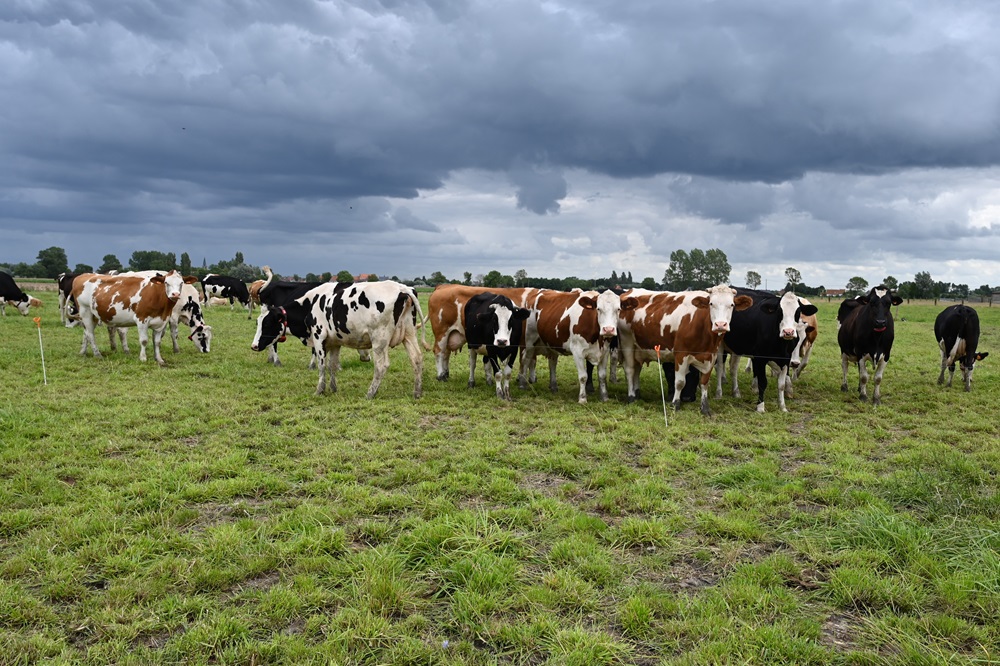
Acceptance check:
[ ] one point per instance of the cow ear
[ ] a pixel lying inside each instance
(520, 314)
(770, 307)
(981, 355)
(190, 279)
(896, 300)
(630, 303)
(807, 308)
(699, 302)
(742, 302)
(158, 279)
(587, 303)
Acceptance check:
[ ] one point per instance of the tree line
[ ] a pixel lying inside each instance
(694, 269)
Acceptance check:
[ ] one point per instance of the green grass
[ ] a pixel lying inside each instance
(216, 511)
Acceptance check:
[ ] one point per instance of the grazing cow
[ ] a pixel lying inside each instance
(65, 288)
(128, 300)
(225, 286)
(446, 313)
(371, 315)
(866, 334)
(687, 327)
(810, 325)
(957, 332)
(768, 331)
(11, 293)
(255, 288)
(187, 310)
(580, 324)
(493, 325)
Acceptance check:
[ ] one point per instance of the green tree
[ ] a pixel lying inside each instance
(680, 273)
(649, 283)
(345, 276)
(493, 279)
(985, 293)
(891, 283)
(856, 286)
(437, 277)
(152, 260)
(83, 268)
(373, 277)
(185, 264)
(52, 261)
(753, 279)
(923, 285)
(239, 258)
(326, 277)
(520, 277)
(312, 277)
(467, 278)
(109, 263)
(793, 276)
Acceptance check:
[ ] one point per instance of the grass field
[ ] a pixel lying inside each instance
(216, 511)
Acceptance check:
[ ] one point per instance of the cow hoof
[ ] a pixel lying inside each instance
(843, 387)
(705, 410)
(582, 401)
(553, 389)
(472, 384)
(675, 405)
(863, 397)
(589, 387)
(760, 408)
(940, 380)
(630, 399)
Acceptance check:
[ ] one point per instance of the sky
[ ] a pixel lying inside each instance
(401, 137)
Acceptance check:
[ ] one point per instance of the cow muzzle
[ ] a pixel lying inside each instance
(720, 327)
(788, 333)
(609, 332)
(793, 364)
(502, 343)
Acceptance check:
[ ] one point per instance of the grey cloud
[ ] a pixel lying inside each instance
(539, 189)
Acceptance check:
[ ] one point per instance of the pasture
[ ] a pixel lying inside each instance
(216, 511)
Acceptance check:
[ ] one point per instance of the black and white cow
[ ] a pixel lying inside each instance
(866, 334)
(224, 286)
(370, 315)
(768, 331)
(957, 332)
(11, 294)
(494, 327)
(65, 287)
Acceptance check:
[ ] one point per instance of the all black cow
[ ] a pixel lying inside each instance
(866, 334)
(768, 331)
(957, 332)
(494, 327)
(11, 294)
(225, 286)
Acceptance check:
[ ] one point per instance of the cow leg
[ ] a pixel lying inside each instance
(879, 369)
(272, 354)
(863, 379)
(706, 377)
(552, 374)
(472, 367)
(143, 340)
(944, 364)
(416, 354)
(333, 367)
(157, 340)
(581, 375)
(783, 381)
(613, 361)
(88, 337)
(123, 336)
(760, 377)
(319, 354)
(843, 364)
(602, 378)
(734, 363)
(951, 374)
(380, 359)
(680, 379)
(590, 378)
(174, 324)
(441, 360)
(631, 376)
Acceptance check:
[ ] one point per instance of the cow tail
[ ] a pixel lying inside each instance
(420, 320)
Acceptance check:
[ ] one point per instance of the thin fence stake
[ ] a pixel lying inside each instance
(38, 324)
(663, 396)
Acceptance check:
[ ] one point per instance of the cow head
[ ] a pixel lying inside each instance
(609, 306)
(502, 318)
(791, 309)
(23, 306)
(722, 301)
(172, 283)
(879, 302)
(271, 325)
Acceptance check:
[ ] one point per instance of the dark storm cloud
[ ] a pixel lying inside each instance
(244, 115)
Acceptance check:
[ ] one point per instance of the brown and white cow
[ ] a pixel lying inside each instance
(187, 310)
(579, 324)
(446, 312)
(687, 326)
(129, 300)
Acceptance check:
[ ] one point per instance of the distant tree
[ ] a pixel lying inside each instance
(478, 280)
(312, 277)
(891, 282)
(519, 277)
(717, 268)
(614, 277)
(985, 293)
(109, 263)
(345, 276)
(326, 277)
(493, 279)
(185, 267)
(152, 260)
(437, 277)
(941, 289)
(628, 279)
(753, 279)
(83, 268)
(793, 276)
(960, 291)
(467, 278)
(649, 283)
(856, 286)
(52, 261)
(373, 277)
(239, 258)
(923, 285)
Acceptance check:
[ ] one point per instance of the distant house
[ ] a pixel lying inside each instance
(365, 277)
(835, 292)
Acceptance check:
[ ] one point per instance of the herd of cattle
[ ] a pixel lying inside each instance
(689, 332)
